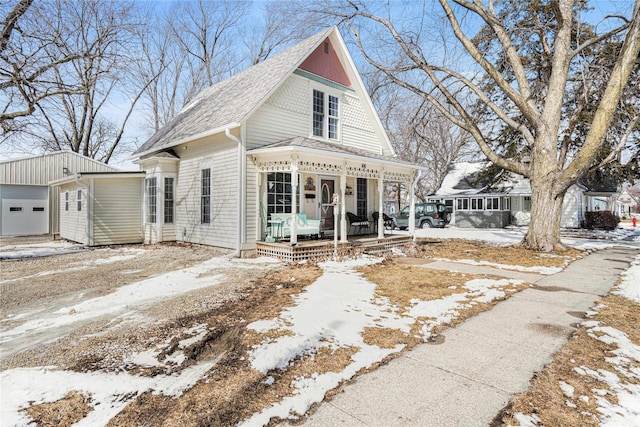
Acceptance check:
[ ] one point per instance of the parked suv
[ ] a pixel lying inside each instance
(427, 215)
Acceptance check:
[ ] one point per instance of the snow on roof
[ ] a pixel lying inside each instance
(461, 180)
(457, 179)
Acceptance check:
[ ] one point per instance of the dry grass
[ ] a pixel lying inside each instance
(457, 249)
(544, 396)
(233, 391)
(62, 413)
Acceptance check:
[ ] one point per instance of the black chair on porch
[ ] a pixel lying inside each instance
(387, 221)
(356, 221)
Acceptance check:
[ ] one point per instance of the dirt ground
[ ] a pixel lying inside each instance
(234, 391)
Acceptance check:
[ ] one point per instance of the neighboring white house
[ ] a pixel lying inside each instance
(280, 137)
(101, 208)
(474, 204)
(628, 201)
(28, 205)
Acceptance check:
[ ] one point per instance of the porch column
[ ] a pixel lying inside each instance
(381, 205)
(343, 205)
(260, 221)
(294, 201)
(412, 210)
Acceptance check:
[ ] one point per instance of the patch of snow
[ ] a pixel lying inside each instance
(534, 269)
(109, 393)
(33, 250)
(567, 389)
(630, 285)
(527, 420)
(626, 412)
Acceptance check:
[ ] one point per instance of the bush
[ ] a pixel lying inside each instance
(602, 220)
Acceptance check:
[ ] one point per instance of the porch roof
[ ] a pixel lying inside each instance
(315, 146)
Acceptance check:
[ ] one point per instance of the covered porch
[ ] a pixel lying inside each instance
(312, 188)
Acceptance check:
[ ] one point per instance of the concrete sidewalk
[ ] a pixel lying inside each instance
(483, 362)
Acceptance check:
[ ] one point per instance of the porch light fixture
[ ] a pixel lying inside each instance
(65, 170)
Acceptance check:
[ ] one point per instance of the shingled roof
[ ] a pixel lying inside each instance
(232, 100)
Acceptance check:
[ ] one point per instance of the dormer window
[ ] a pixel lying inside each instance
(326, 114)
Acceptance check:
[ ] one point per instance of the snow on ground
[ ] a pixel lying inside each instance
(534, 269)
(630, 285)
(585, 239)
(334, 312)
(128, 297)
(31, 250)
(17, 253)
(627, 355)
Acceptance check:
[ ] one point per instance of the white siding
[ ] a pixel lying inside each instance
(253, 208)
(572, 208)
(287, 114)
(221, 156)
(73, 224)
(117, 211)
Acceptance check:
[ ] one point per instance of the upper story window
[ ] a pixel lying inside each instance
(326, 115)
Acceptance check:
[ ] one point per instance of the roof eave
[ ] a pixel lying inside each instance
(293, 149)
(191, 138)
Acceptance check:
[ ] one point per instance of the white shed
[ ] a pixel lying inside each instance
(28, 206)
(101, 208)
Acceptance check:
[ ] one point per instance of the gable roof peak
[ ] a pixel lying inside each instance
(229, 102)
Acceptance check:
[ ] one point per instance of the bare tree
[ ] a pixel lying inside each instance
(90, 120)
(276, 31)
(29, 54)
(205, 30)
(528, 101)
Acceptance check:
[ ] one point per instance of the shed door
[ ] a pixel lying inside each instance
(25, 210)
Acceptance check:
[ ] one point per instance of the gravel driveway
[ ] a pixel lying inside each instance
(96, 300)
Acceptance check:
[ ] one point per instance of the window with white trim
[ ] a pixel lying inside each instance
(151, 191)
(493, 203)
(66, 201)
(79, 200)
(361, 197)
(205, 196)
(326, 115)
(526, 204)
(506, 203)
(333, 117)
(318, 113)
(462, 204)
(477, 203)
(279, 193)
(168, 200)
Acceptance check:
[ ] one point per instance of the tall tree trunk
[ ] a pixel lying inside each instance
(546, 213)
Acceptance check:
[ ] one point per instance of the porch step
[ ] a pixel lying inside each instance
(382, 246)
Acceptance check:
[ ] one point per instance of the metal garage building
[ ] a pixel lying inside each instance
(28, 205)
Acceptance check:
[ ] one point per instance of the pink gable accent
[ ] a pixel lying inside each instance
(326, 65)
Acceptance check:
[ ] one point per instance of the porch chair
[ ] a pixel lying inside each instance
(387, 221)
(357, 221)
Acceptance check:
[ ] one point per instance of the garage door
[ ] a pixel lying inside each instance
(25, 210)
